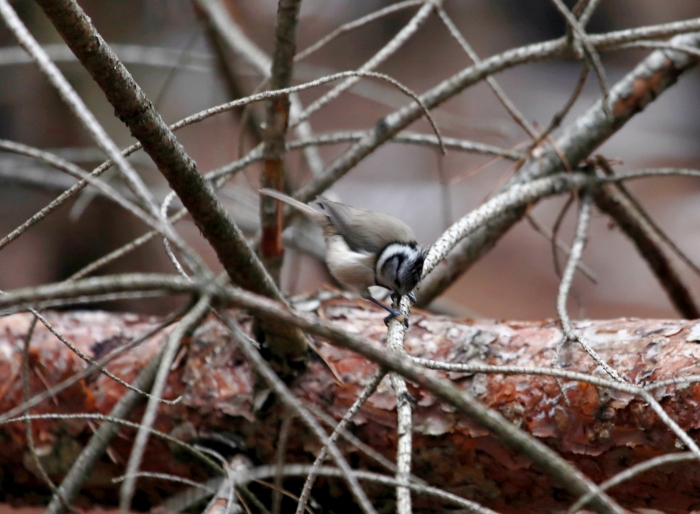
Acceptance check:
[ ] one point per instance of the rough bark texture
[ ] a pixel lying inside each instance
(602, 432)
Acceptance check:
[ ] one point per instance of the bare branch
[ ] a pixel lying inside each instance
(500, 94)
(235, 39)
(390, 48)
(632, 472)
(80, 470)
(188, 323)
(584, 216)
(301, 470)
(248, 348)
(79, 108)
(589, 48)
(340, 427)
(560, 245)
(277, 121)
(627, 98)
(650, 246)
(132, 106)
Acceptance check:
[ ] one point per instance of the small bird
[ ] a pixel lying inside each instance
(365, 248)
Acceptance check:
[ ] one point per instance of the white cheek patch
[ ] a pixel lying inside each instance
(386, 268)
(393, 266)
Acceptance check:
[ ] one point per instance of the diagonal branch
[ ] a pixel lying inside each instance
(234, 38)
(650, 246)
(628, 97)
(146, 125)
(188, 323)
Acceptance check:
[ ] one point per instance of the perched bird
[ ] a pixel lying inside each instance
(365, 248)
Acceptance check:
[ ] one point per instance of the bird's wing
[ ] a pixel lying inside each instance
(368, 231)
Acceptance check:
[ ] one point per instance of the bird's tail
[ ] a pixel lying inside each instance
(309, 211)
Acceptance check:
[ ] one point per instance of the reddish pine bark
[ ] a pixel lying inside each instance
(601, 432)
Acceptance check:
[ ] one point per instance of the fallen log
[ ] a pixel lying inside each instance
(601, 431)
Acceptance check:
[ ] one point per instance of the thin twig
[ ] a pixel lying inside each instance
(28, 424)
(168, 477)
(562, 246)
(80, 470)
(77, 106)
(500, 94)
(383, 54)
(352, 25)
(648, 239)
(559, 116)
(302, 470)
(247, 346)
(188, 322)
(354, 441)
(631, 472)
(98, 365)
(94, 364)
(79, 173)
(280, 455)
(607, 169)
(588, 12)
(555, 233)
(368, 391)
(589, 49)
(577, 246)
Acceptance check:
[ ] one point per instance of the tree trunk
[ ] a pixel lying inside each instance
(600, 430)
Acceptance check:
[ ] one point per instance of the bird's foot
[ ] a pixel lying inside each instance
(393, 313)
(397, 316)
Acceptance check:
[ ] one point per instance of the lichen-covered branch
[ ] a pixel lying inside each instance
(578, 140)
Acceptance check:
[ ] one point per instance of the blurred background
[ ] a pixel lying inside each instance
(167, 47)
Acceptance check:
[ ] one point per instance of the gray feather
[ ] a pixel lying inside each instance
(312, 213)
(368, 231)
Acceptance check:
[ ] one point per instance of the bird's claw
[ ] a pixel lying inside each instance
(397, 316)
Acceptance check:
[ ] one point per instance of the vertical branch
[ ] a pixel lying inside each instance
(584, 216)
(277, 121)
(395, 339)
(234, 38)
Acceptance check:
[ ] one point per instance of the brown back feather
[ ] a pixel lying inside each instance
(368, 231)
